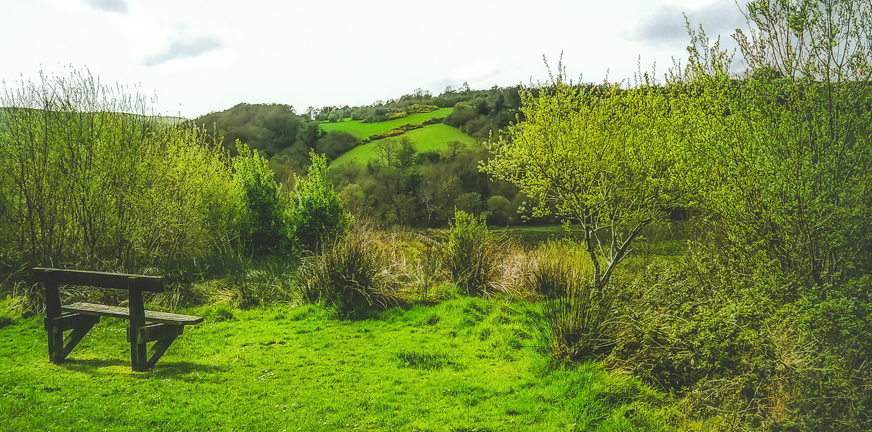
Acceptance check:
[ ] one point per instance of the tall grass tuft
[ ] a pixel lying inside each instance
(576, 316)
(352, 274)
(472, 256)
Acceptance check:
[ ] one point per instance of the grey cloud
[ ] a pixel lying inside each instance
(117, 6)
(185, 48)
(667, 25)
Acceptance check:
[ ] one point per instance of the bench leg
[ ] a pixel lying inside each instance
(55, 344)
(163, 335)
(158, 350)
(58, 349)
(77, 335)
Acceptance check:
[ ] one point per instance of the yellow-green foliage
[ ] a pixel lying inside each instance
(82, 182)
(316, 214)
(606, 157)
(421, 108)
(473, 257)
(394, 132)
(262, 216)
(396, 115)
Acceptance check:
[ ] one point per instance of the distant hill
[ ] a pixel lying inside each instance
(166, 120)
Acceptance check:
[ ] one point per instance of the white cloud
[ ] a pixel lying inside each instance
(667, 26)
(116, 6)
(184, 48)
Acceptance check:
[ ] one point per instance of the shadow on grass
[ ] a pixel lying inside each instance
(115, 367)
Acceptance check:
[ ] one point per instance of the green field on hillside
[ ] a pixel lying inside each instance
(465, 364)
(362, 130)
(431, 137)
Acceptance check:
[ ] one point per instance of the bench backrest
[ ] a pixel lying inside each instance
(98, 279)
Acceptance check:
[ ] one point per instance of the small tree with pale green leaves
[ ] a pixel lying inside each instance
(317, 215)
(602, 157)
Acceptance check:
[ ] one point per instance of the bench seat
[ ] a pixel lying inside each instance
(124, 313)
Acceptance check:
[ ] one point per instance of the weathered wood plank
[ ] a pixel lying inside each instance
(60, 348)
(52, 311)
(156, 332)
(122, 312)
(70, 321)
(98, 279)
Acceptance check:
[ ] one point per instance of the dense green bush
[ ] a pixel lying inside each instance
(269, 128)
(263, 225)
(421, 108)
(316, 214)
(335, 143)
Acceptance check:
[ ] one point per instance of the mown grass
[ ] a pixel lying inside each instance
(361, 130)
(465, 364)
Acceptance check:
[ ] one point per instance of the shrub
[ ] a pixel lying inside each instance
(88, 178)
(395, 115)
(575, 315)
(421, 108)
(263, 225)
(317, 214)
(350, 276)
(500, 211)
(472, 256)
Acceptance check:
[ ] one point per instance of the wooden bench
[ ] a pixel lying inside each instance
(81, 317)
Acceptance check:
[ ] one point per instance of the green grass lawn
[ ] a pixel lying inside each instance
(465, 364)
(431, 137)
(362, 130)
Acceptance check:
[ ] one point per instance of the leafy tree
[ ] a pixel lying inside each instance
(784, 156)
(500, 211)
(316, 213)
(387, 150)
(335, 143)
(470, 203)
(406, 154)
(270, 128)
(455, 147)
(603, 161)
(263, 225)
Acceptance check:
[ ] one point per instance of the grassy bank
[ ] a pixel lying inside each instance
(429, 138)
(465, 364)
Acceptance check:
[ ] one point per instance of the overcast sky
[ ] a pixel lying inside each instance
(199, 56)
